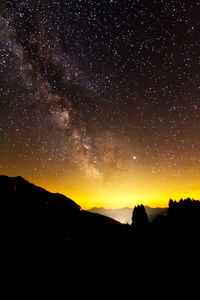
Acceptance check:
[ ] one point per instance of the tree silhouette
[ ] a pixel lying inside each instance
(184, 223)
(139, 216)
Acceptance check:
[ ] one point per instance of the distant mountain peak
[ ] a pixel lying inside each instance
(124, 215)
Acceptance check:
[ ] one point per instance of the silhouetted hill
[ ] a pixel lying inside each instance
(38, 218)
(37, 223)
(124, 215)
(153, 212)
(18, 186)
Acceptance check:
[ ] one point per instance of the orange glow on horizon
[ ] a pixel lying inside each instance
(121, 191)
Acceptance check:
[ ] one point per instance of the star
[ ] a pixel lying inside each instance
(93, 92)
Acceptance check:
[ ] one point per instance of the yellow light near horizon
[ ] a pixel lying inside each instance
(114, 197)
(124, 190)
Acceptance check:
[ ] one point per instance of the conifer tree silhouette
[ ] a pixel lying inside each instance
(139, 216)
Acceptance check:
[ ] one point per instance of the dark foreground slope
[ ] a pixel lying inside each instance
(35, 218)
(39, 226)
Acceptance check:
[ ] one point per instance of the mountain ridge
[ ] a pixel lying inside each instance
(124, 214)
(20, 185)
(20, 188)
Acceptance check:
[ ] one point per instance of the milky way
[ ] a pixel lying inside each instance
(101, 91)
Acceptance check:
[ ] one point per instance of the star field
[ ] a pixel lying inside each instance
(100, 100)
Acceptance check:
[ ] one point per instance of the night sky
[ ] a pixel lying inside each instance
(100, 100)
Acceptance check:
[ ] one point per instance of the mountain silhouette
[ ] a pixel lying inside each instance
(14, 186)
(35, 217)
(124, 215)
(52, 227)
